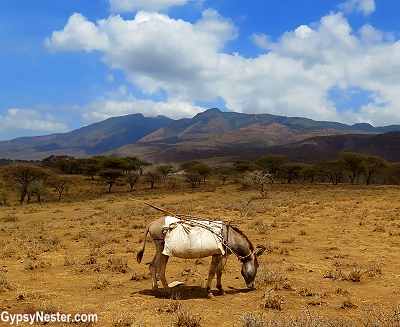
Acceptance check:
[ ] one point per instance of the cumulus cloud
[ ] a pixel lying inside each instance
(118, 103)
(365, 6)
(293, 77)
(150, 5)
(32, 120)
(155, 51)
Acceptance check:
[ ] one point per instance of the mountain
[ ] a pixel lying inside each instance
(224, 136)
(87, 141)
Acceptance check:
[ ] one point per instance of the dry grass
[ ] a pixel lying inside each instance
(79, 256)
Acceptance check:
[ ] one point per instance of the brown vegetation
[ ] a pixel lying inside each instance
(331, 257)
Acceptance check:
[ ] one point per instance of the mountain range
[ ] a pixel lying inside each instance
(212, 135)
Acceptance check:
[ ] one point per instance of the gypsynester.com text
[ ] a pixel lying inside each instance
(42, 317)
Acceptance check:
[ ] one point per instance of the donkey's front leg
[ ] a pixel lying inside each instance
(216, 258)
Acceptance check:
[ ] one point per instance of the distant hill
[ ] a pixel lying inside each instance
(87, 141)
(212, 135)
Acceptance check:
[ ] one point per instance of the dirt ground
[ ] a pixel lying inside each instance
(332, 252)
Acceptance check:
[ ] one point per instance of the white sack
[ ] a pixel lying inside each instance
(187, 240)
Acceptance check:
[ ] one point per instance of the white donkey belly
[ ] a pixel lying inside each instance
(191, 239)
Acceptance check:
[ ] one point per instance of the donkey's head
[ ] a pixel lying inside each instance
(250, 266)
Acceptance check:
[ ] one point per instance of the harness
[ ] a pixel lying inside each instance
(189, 219)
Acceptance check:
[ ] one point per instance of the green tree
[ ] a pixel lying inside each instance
(60, 183)
(271, 163)
(132, 178)
(153, 176)
(20, 177)
(112, 169)
(289, 171)
(333, 170)
(353, 163)
(373, 165)
(165, 170)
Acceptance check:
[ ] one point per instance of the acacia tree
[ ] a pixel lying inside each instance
(60, 183)
(291, 170)
(20, 177)
(152, 176)
(132, 178)
(271, 163)
(373, 165)
(353, 163)
(333, 170)
(112, 170)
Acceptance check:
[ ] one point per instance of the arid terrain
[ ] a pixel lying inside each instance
(332, 254)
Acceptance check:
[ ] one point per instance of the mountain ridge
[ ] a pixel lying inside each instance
(210, 133)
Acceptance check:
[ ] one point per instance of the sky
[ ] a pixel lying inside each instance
(71, 63)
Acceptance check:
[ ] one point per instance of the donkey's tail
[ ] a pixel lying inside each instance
(139, 255)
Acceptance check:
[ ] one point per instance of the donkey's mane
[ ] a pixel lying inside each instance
(237, 230)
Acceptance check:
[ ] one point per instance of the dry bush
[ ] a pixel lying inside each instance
(306, 291)
(117, 264)
(5, 284)
(173, 306)
(348, 304)
(260, 226)
(140, 277)
(273, 301)
(373, 268)
(306, 319)
(382, 317)
(101, 282)
(250, 320)
(288, 240)
(185, 318)
(124, 319)
(69, 260)
(9, 218)
(36, 264)
(271, 274)
(9, 250)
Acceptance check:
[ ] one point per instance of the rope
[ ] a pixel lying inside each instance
(192, 220)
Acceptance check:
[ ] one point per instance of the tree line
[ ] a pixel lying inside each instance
(33, 179)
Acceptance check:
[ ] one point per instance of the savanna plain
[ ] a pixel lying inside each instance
(332, 256)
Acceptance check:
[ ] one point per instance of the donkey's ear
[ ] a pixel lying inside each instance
(260, 251)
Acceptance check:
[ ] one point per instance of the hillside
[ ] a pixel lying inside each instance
(213, 135)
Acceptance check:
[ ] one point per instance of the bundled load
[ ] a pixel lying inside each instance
(192, 238)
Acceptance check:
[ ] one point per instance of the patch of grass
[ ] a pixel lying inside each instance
(271, 274)
(117, 264)
(101, 282)
(9, 218)
(273, 301)
(185, 318)
(35, 264)
(5, 284)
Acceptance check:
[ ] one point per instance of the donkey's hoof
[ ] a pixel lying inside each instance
(221, 292)
(210, 295)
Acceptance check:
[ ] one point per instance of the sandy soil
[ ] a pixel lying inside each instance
(332, 251)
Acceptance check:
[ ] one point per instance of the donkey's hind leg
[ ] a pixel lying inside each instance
(162, 265)
(213, 269)
(155, 264)
(220, 270)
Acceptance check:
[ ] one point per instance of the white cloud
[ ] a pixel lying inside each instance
(109, 77)
(150, 5)
(30, 119)
(187, 61)
(154, 50)
(118, 104)
(365, 6)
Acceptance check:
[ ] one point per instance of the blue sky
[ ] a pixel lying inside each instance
(67, 64)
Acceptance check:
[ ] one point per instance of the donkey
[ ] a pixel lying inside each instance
(234, 241)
